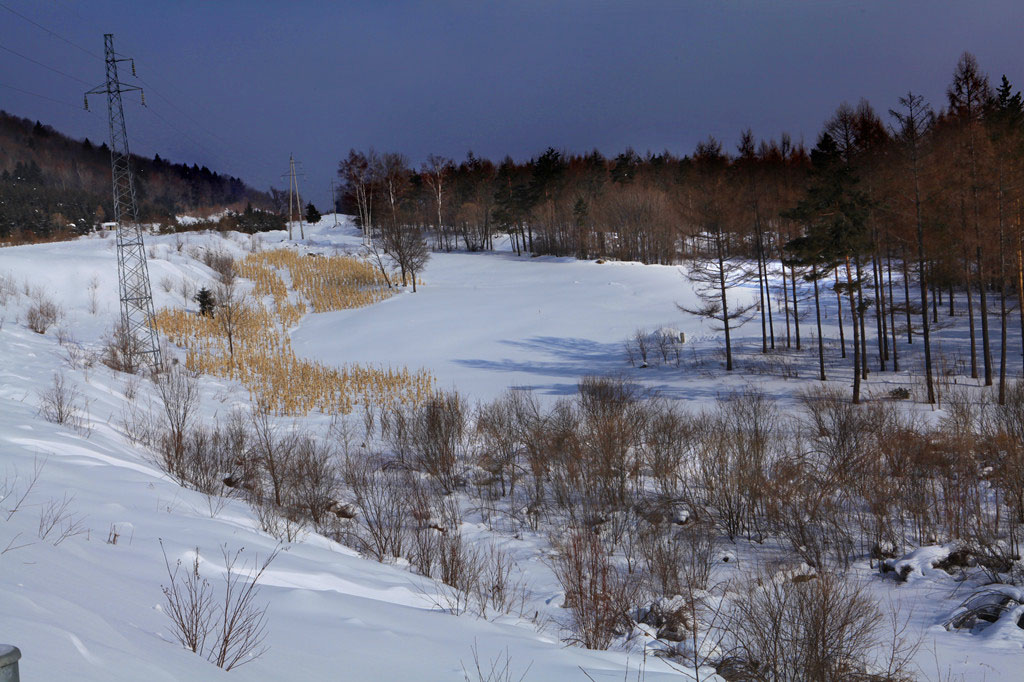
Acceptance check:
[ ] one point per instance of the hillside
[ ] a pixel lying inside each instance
(49, 182)
(84, 599)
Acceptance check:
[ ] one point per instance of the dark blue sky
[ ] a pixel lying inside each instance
(252, 81)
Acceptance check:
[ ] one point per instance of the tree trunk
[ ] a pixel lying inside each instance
(856, 344)
(785, 301)
(986, 345)
(906, 293)
(1020, 280)
(970, 315)
(817, 311)
(880, 322)
(796, 309)
(839, 316)
(892, 312)
(725, 303)
(760, 289)
(924, 295)
(861, 311)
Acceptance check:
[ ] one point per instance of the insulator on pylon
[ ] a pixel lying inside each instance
(133, 67)
(143, 94)
(85, 98)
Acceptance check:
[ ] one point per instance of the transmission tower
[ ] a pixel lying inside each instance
(293, 194)
(132, 272)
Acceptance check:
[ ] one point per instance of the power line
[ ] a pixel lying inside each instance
(199, 145)
(36, 94)
(52, 33)
(45, 66)
(228, 149)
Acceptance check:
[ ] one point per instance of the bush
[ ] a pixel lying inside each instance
(179, 399)
(59, 403)
(598, 595)
(822, 628)
(121, 351)
(42, 314)
(227, 629)
(384, 510)
(206, 302)
(222, 263)
(439, 434)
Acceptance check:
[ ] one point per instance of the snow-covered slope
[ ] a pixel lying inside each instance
(90, 608)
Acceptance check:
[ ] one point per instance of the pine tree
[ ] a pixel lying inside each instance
(206, 302)
(312, 215)
(834, 213)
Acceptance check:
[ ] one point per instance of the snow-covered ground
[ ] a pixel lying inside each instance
(90, 608)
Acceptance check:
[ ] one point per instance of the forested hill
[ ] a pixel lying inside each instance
(50, 182)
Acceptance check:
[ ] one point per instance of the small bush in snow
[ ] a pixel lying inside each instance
(822, 628)
(228, 629)
(42, 314)
(598, 595)
(121, 351)
(59, 403)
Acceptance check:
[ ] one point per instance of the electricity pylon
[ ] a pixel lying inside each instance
(137, 319)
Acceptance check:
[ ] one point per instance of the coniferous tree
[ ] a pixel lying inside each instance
(713, 270)
(914, 121)
(206, 302)
(968, 95)
(1004, 120)
(312, 215)
(834, 212)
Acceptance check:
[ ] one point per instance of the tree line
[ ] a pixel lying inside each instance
(52, 185)
(894, 213)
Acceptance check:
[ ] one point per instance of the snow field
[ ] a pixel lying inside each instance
(483, 322)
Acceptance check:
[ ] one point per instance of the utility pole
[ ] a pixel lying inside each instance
(334, 204)
(293, 193)
(137, 318)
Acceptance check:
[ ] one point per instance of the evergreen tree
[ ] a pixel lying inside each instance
(206, 302)
(834, 213)
(312, 215)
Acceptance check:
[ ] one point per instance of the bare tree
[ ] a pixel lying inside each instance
(358, 178)
(59, 403)
(406, 246)
(231, 307)
(179, 398)
(712, 270)
(435, 172)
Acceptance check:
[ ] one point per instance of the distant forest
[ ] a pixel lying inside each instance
(52, 185)
(909, 201)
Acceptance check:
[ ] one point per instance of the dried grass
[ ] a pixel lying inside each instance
(263, 359)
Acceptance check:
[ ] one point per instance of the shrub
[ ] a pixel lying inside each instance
(222, 263)
(598, 595)
(227, 629)
(384, 510)
(822, 628)
(42, 314)
(59, 403)
(439, 438)
(179, 400)
(205, 301)
(121, 351)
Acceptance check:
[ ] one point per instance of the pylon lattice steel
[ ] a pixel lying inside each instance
(137, 317)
